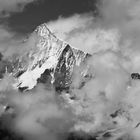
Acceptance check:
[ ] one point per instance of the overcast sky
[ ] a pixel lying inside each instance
(23, 16)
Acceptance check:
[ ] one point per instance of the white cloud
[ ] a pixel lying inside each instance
(80, 32)
(114, 40)
(114, 37)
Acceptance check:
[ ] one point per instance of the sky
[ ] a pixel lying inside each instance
(23, 17)
(19, 18)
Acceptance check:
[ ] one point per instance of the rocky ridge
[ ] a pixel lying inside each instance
(50, 60)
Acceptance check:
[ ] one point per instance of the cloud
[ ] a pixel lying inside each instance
(37, 115)
(117, 23)
(108, 102)
(82, 32)
(113, 39)
(11, 45)
(7, 6)
(63, 26)
(10, 42)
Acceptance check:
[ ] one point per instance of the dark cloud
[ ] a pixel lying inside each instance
(46, 10)
(8, 6)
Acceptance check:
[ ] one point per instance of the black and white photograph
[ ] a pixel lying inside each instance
(69, 69)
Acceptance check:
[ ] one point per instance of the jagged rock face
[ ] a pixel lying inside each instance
(135, 76)
(64, 69)
(49, 61)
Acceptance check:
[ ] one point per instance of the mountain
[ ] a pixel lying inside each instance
(51, 61)
(135, 76)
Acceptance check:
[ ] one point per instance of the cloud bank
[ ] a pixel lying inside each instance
(108, 102)
(113, 40)
(7, 6)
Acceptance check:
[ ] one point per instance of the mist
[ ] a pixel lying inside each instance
(113, 40)
(38, 115)
(107, 103)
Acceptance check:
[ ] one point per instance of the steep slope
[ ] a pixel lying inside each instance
(50, 61)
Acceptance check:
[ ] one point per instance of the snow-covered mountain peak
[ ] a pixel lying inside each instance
(47, 47)
(52, 54)
(43, 31)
